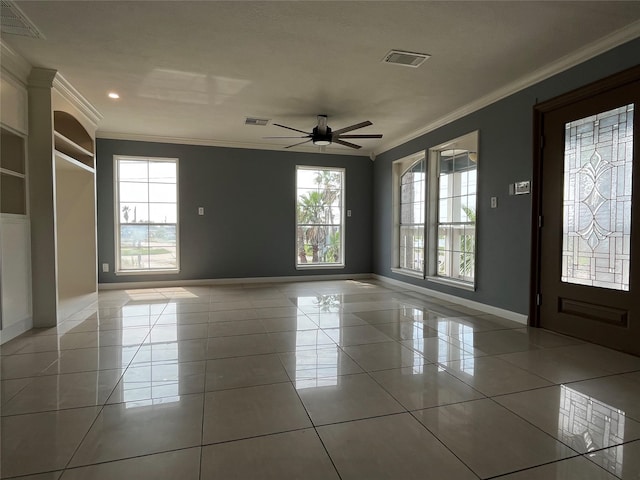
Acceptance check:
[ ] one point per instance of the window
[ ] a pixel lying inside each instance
(454, 179)
(319, 217)
(435, 213)
(412, 216)
(146, 201)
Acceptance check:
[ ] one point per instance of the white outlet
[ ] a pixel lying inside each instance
(200, 210)
(105, 267)
(494, 202)
(348, 213)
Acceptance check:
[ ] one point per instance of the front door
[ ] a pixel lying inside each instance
(589, 237)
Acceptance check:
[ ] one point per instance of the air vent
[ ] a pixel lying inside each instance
(15, 22)
(406, 59)
(260, 122)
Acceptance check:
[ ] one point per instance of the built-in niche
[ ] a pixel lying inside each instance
(12, 174)
(75, 213)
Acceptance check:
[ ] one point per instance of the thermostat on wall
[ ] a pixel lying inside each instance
(520, 188)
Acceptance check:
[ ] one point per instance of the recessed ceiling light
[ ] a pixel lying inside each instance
(113, 95)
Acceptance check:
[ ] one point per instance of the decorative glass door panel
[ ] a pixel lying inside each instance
(598, 161)
(588, 270)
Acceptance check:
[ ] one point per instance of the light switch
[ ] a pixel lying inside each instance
(105, 267)
(348, 213)
(494, 202)
(200, 210)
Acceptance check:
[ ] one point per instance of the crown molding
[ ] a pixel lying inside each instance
(217, 143)
(68, 91)
(41, 77)
(615, 39)
(13, 64)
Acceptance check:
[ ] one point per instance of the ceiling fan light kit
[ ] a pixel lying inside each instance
(322, 135)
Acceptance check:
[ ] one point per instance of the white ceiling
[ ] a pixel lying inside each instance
(192, 71)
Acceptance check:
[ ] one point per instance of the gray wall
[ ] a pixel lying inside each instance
(249, 200)
(230, 184)
(505, 156)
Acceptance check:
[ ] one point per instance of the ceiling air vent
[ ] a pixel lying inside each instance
(260, 122)
(15, 22)
(406, 59)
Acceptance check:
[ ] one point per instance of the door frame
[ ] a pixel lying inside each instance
(539, 110)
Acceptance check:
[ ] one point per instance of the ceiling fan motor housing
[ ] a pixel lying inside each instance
(321, 139)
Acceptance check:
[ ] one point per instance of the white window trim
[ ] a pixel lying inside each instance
(452, 282)
(116, 217)
(343, 222)
(407, 272)
(432, 217)
(399, 167)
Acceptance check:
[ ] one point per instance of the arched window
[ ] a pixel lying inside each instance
(412, 217)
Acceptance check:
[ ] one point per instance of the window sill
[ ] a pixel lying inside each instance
(122, 273)
(408, 273)
(453, 283)
(320, 266)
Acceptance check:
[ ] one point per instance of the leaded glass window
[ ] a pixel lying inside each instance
(598, 162)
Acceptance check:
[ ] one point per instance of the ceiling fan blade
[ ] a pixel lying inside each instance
(294, 129)
(296, 144)
(302, 136)
(322, 124)
(373, 135)
(346, 144)
(352, 127)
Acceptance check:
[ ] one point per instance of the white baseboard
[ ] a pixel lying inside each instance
(16, 329)
(500, 312)
(231, 281)
(71, 305)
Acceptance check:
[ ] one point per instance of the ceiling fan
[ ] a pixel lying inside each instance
(322, 135)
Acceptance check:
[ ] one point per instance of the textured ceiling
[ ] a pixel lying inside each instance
(194, 70)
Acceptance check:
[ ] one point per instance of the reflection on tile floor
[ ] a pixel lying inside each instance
(328, 380)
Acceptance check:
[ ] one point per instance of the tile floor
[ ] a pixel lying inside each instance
(315, 380)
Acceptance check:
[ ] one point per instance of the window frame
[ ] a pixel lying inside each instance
(462, 143)
(118, 271)
(400, 167)
(342, 225)
(469, 142)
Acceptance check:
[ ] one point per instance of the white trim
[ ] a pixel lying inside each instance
(14, 64)
(320, 266)
(232, 281)
(40, 77)
(116, 214)
(408, 273)
(64, 88)
(516, 317)
(21, 126)
(16, 329)
(71, 305)
(15, 217)
(470, 143)
(399, 168)
(225, 144)
(343, 219)
(500, 312)
(451, 282)
(590, 51)
(11, 173)
(129, 273)
(72, 161)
